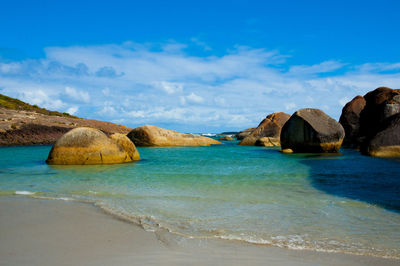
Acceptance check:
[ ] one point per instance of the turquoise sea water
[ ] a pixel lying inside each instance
(348, 203)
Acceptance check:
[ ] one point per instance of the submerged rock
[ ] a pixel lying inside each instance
(386, 143)
(270, 128)
(156, 136)
(90, 146)
(242, 134)
(311, 130)
(226, 138)
(288, 151)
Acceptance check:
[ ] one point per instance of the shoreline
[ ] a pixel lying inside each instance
(48, 232)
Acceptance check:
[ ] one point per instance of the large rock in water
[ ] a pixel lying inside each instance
(91, 146)
(381, 104)
(311, 130)
(155, 136)
(386, 143)
(244, 133)
(363, 122)
(350, 120)
(127, 145)
(269, 129)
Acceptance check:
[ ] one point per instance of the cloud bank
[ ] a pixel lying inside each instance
(167, 85)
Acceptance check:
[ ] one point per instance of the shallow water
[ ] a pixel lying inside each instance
(348, 203)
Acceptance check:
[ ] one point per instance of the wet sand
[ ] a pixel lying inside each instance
(54, 232)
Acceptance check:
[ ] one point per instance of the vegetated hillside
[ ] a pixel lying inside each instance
(15, 104)
(25, 124)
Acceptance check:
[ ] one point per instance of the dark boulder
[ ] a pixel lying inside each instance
(386, 143)
(311, 130)
(350, 120)
(381, 104)
(364, 119)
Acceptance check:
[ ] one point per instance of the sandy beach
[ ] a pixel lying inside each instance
(55, 232)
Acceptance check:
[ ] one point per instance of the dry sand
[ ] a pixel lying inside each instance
(50, 232)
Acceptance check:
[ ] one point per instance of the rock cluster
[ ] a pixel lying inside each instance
(371, 122)
(311, 130)
(82, 146)
(156, 136)
(268, 131)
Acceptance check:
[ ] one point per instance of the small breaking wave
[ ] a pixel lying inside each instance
(295, 242)
(24, 193)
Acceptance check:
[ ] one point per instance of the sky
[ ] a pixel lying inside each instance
(196, 66)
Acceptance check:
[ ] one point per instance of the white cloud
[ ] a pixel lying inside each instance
(72, 110)
(290, 106)
(344, 100)
(202, 44)
(106, 91)
(41, 98)
(324, 67)
(77, 95)
(170, 87)
(163, 85)
(194, 98)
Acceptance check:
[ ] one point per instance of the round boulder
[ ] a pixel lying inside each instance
(127, 145)
(311, 130)
(87, 146)
(381, 104)
(350, 120)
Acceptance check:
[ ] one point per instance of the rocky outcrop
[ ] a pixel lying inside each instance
(20, 127)
(369, 120)
(154, 136)
(386, 143)
(226, 138)
(242, 134)
(269, 128)
(82, 146)
(32, 134)
(311, 130)
(350, 120)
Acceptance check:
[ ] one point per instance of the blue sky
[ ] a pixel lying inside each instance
(199, 66)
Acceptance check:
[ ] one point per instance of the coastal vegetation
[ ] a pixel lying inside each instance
(15, 104)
